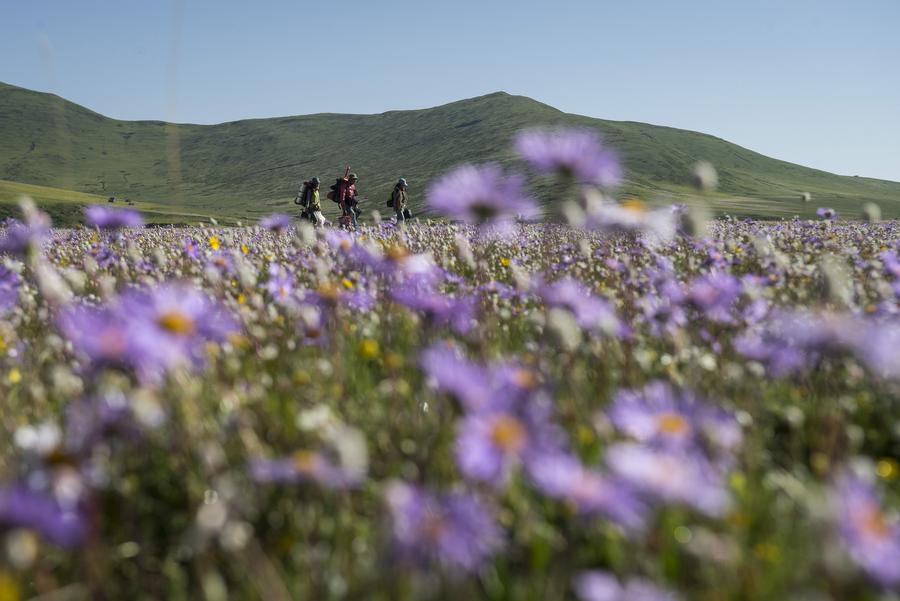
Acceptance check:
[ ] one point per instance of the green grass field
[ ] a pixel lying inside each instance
(246, 169)
(66, 206)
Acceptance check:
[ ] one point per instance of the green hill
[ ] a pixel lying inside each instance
(245, 169)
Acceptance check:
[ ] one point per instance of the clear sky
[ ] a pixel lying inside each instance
(815, 82)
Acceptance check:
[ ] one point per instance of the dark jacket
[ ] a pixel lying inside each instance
(400, 197)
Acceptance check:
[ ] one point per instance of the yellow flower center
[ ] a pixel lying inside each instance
(214, 242)
(635, 205)
(525, 378)
(329, 291)
(305, 461)
(396, 252)
(433, 526)
(873, 522)
(176, 322)
(508, 434)
(671, 423)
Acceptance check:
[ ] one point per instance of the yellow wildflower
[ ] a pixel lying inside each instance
(368, 348)
(887, 468)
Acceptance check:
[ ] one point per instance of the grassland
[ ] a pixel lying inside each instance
(66, 206)
(246, 169)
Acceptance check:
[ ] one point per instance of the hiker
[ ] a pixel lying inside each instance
(399, 200)
(347, 199)
(308, 198)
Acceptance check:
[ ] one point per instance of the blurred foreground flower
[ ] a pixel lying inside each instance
(10, 281)
(110, 219)
(481, 195)
(276, 222)
(341, 463)
(576, 153)
(671, 476)
(591, 313)
(595, 585)
(659, 415)
(21, 507)
(149, 332)
(455, 530)
(871, 535)
(563, 476)
(24, 238)
(656, 226)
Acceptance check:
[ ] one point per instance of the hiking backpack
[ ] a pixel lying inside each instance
(303, 198)
(333, 194)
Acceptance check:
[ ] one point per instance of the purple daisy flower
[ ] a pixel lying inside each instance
(590, 312)
(664, 317)
(671, 475)
(177, 317)
(280, 284)
(103, 255)
(595, 585)
(576, 153)
(826, 213)
(19, 238)
(276, 222)
(21, 507)
(99, 418)
(148, 332)
(715, 294)
(871, 536)
(455, 530)
(471, 384)
(891, 262)
(564, 477)
(476, 387)
(9, 288)
(190, 248)
(481, 195)
(221, 261)
(491, 443)
(110, 219)
(102, 334)
(658, 415)
(439, 309)
(306, 465)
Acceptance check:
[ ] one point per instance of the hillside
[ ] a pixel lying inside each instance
(245, 169)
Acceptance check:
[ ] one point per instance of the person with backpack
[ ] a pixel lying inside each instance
(344, 193)
(399, 200)
(308, 198)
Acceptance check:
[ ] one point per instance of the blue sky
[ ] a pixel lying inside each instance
(815, 82)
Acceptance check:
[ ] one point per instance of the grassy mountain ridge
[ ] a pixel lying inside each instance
(248, 168)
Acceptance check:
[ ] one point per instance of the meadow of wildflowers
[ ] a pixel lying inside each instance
(634, 405)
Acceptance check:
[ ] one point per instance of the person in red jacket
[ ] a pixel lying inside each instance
(346, 195)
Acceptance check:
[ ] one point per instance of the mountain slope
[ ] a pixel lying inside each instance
(252, 167)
